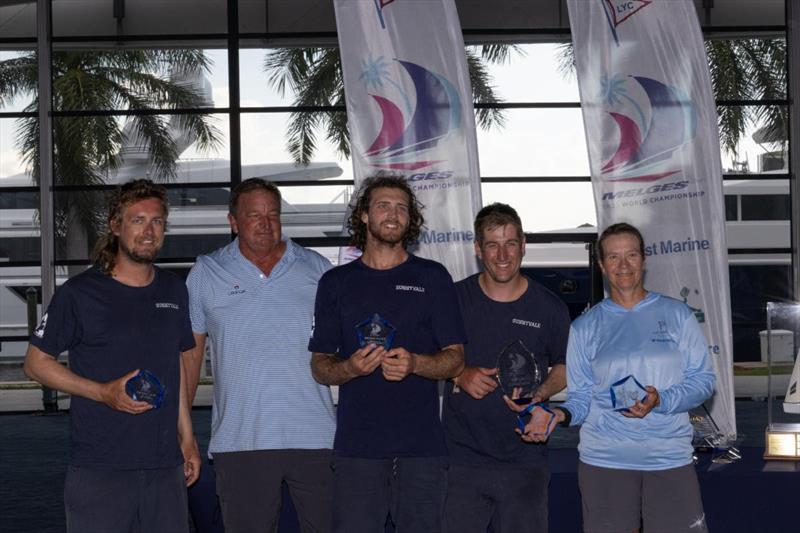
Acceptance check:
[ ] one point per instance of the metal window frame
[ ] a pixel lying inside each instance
(45, 41)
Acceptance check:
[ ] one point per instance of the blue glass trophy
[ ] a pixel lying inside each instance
(541, 418)
(375, 330)
(145, 387)
(626, 392)
(518, 373)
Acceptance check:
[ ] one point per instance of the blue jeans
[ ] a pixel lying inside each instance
(409, 491)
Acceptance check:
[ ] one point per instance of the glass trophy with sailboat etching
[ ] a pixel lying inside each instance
(626, 392)
(519, 376)
(518, 373)
(375, 330)
(146, 387)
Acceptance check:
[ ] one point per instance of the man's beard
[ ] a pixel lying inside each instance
(393, 239)
(138, 257)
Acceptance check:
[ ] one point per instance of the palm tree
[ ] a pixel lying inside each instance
(741, 69)
(87, 147)
(748, 69)
(315, 76)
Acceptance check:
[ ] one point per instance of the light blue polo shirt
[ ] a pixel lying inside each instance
(259, 326)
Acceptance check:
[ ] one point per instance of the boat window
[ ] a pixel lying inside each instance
(198, 197)
(19, 200)
(731, 207)
(765, 207)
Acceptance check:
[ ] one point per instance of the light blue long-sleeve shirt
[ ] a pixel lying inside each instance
(659, 342)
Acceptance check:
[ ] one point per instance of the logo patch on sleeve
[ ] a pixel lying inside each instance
(39, 331)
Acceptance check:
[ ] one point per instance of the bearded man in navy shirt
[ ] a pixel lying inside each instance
(389, 458)
(130, 460)
(495, 477)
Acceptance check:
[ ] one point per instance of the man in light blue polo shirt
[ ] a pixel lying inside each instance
(271, 422)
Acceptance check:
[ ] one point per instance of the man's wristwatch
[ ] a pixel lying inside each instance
(567, 417)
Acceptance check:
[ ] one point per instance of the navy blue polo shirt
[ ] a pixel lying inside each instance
(378, 418)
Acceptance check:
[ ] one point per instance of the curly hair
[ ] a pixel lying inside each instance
(618, 229)
(358, 229)
(107, 247)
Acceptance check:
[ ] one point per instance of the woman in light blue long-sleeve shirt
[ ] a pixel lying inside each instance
(635, 465)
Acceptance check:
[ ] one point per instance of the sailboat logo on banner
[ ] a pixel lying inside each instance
(654, 120)
(408, 145)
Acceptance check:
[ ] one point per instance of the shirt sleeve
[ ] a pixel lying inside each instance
(559, 334)
(194, 284)
(187, 339)
(446, 320)
(698, 374)
(325, 336)
(59, 329)
(579, 377)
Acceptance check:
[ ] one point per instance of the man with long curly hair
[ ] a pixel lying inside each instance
(130, 459)
(389, 450)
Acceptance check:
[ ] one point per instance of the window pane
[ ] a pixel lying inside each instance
(747, 69)
(764, 214)
(546, 206)
(532, 74)
(731, 207)
(19, 226)
(12, 168)
(89, 146)
(765, 207)
(264, 142)
(760, 137)
(18, 19)
(285, 16)
(535, 142)
(143, 17)
(144, 78)
(255, 88)
(198, 222)
(19, 67)
(14, 284)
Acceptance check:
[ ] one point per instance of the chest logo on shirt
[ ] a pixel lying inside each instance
(409, 288)
(662, 333)
(236, 290)
(527, 323)
(39, 331)
(167, 305)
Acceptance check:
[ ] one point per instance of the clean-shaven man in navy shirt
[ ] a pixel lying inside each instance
(496, 478)
(389, 457)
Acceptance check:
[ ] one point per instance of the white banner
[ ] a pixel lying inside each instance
(651, 130)
(410, 114)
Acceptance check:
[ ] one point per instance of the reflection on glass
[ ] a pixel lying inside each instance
(130, 78)
(20, 68)
(109, 150)
(18, 19)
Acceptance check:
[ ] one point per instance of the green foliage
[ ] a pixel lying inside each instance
(87, 147)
